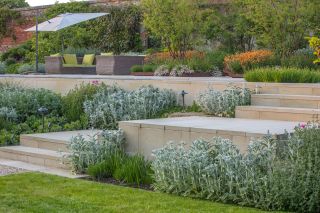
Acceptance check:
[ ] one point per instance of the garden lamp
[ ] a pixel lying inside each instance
(42, 111)
(183, 93)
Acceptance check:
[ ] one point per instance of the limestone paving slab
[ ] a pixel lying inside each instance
(221, 124)
(23, 166)
(63, 137)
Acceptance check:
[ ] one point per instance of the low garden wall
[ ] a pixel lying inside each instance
(63, 83)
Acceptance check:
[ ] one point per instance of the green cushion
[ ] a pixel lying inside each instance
(77, 65)
(88, 59)
(107, 54)
(55, 55)
(70, 59)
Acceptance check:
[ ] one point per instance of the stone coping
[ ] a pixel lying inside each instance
(204, 124)
(168, 79)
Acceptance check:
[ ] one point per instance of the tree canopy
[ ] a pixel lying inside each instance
(13, 3)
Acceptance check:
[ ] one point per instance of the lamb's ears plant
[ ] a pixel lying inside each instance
(89, 151)
(223, 103)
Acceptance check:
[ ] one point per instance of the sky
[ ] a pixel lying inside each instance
(45, 2)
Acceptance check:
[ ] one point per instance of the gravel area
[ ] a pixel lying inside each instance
(7, 170)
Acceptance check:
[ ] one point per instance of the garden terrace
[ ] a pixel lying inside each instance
(64, 83)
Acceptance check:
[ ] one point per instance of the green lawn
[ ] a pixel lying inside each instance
(35, 192)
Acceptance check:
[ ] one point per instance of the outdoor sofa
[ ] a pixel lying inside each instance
(105, 64)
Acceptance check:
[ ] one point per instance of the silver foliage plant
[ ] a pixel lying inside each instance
(8, 114)
(86, 151)
(263, 177)
(176, 71)
(223, 103)
(180, 70)
(114, 104)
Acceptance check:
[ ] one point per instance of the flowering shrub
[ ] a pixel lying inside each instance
(85, 152)
(178, 70)
(162, 70)
(181, 70)
(247, 60)
(273, 175)
(112, 104)
(314, 43)
(163, 56)
(223, 103)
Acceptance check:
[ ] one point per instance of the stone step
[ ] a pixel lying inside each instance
(38, 168)
(280, 100)
(144, 136)
(278, 113)
(55, 141)
(286, 88)
(41, 157)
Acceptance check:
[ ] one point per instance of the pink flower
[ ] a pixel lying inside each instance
(95, 82)
(302, 126)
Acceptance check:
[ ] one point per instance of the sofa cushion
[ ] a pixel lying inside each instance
(55, 55)
(70, 59)
(88, 59)
(77, 65)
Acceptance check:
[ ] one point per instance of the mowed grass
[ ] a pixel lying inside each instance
(36, 192)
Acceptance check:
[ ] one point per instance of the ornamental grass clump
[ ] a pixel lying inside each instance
(283, 75)
(113, 104)
(223, 103)
(274, 174)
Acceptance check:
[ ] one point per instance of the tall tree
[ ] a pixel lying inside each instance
(281, 25)
(174, 21)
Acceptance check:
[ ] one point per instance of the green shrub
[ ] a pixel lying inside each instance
(134, 170)
(114, 104)
(72, 103)
(3, 68)
(12, 68)
(149, 68)
(272, 175)
(136, 68)
(236, 67)
(17, 54)
(85, 152)
(216, 58)
(283, 75)
(223, 103)
(24, 68)
(302, 58)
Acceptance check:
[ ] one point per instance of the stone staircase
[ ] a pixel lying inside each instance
(277, 107)
(38, 152)
(302, 106)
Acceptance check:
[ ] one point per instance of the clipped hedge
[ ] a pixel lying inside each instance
(283, 75)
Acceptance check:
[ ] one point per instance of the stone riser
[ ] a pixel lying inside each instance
(276, 101)
(288, 115)
(47, 161)
(147, 135)
(36, 142)
(145, 140)
(288, 89)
